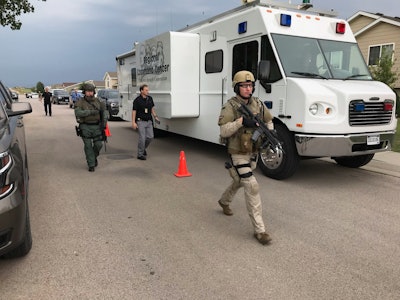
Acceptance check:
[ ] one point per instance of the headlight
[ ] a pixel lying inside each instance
(313, 109)
(321, 109)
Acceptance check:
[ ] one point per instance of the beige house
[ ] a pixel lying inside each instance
(97, 83)
(111, 80)
(377, 34)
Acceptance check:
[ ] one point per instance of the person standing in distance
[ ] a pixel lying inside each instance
(91, 114)
(238, 130)
(47, 100)
(142, 119)
(74, 97)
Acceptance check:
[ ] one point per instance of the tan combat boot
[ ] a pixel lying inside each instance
(226, 209)
(263, 238)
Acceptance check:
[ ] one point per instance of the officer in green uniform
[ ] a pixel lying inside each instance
(237, 130)
(92, 116)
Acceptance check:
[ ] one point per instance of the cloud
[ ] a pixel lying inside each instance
(74, 40)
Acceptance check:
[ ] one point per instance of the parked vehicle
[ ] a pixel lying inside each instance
(112, 100)
(309, 72)
(14, 95)
(31, 95)
(59, 96)
(15, 230)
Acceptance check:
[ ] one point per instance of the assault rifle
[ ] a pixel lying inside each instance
(268, 136)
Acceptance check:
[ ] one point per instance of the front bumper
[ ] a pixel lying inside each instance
(12, 223)
(342, 145)
(63, 100)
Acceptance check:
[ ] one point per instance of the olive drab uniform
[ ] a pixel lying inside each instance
(87, 113)
(244, 155)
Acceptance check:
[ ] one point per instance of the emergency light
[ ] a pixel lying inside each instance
(388, 106)
(242, 27)
(286, 20)
(340, 28)
(359, 107)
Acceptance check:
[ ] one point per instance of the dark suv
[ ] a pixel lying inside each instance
(60, 96)
(15, 230)
(112, 100)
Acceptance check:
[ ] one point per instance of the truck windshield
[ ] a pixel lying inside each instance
(316, 58)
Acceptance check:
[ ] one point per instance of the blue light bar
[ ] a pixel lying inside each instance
(286, 20)
(242, 27)
(359, 107)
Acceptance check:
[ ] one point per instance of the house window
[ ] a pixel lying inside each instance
(377, 52)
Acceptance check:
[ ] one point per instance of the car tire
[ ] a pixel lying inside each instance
(26, 244)
(287, 166)
(354, 161)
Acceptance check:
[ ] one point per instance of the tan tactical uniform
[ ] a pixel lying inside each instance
(243, 154)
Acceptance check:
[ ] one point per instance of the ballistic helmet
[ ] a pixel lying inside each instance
(242, 76)
(88, 87)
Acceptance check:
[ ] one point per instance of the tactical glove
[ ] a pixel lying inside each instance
(250, 123)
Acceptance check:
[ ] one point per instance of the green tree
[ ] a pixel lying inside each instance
(11, 9)
(40, 87)
(383, 71)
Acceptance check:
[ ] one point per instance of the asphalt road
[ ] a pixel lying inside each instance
(132, 230)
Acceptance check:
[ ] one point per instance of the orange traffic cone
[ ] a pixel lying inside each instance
(182, 169)
(107, 131)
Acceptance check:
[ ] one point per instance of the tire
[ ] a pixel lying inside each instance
(284, 165)
(354, 161)
(26, 244)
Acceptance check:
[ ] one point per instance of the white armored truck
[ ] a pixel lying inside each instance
(309, 72)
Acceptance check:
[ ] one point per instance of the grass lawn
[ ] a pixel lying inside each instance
(396, 145)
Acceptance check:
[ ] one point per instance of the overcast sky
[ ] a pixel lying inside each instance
(78, 40)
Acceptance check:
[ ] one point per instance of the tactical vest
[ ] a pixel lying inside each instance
(240, 142)
(90, 105)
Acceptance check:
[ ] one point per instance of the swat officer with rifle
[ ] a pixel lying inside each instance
(91, 114)
(245, 126)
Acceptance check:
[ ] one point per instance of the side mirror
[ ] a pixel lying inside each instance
(264, 70)
(19, 108)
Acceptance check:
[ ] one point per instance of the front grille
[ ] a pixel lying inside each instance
(374, 113)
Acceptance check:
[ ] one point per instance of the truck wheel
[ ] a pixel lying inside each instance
(26, 245)
(283, 165)
(354, 161)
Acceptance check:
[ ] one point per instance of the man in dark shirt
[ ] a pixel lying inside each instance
(142, 119)
(47, 100)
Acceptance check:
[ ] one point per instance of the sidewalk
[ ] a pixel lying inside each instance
(385, 163)
(389, 157)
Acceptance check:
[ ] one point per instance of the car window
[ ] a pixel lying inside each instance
(3, 116)
(6, 100)
(113, 94)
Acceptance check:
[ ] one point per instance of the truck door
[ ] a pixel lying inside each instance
(273, 91)
(244, 57)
